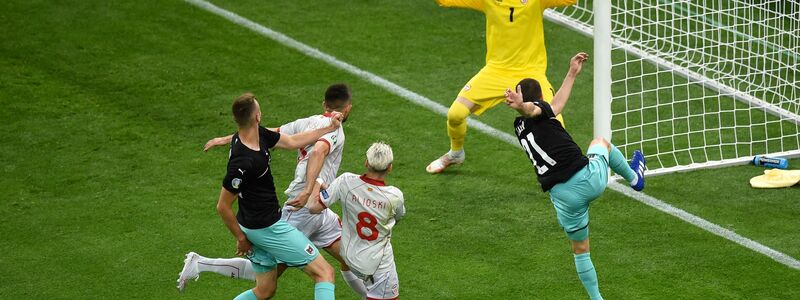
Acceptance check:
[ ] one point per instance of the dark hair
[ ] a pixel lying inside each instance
(337, 96)
(243, 108)
(531, 90)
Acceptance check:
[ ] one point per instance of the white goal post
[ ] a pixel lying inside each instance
(694, 83)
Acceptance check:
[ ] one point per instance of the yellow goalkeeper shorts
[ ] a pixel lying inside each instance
(487, 88)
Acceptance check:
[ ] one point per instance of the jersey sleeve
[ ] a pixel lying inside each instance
(235, 176)
(269, 137)
(556, 3)
(547, 111)
(400, 207)
(289, 128)
(334, 191)
(472, 4)
(332, 139)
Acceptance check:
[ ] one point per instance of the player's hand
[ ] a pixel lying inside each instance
(514, 99)
(213, 143)
(243, 247)
(576, 63)
(336, 121)
(298, 202)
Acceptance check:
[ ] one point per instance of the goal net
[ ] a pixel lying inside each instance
(695, 84)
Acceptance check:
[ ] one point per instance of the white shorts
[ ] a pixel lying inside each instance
(322, 229)
(384, 285)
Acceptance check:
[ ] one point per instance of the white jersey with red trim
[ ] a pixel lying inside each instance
(335, 140)
(370, 209)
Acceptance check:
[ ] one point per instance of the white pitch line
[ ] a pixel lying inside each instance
(489, 130)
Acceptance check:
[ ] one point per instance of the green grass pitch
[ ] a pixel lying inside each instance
(106, 106)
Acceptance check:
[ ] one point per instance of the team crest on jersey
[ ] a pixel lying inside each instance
(309, 249)
(524, 2)
(236, 182)
(467, 87)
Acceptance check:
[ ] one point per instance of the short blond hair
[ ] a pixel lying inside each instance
(379, 157)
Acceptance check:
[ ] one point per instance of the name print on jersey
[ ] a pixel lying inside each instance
(369, 202)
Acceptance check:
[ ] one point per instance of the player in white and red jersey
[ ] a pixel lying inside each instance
(370, 210)
(318, 160)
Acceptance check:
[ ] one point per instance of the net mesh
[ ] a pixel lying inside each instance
(701, 82)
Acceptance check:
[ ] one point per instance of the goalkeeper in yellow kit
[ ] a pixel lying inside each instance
(514, 50)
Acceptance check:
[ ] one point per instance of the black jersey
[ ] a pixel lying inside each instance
(550, 148)
(250, 178)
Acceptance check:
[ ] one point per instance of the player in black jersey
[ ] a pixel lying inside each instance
(259, 232)
(573, 180)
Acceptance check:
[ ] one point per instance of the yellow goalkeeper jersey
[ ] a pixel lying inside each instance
(514, 32)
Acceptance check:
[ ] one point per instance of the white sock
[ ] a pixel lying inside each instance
(237, 268)
(635, 181)
(456, 154)
(355, 283)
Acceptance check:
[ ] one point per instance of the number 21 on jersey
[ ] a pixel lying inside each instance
(529, 143)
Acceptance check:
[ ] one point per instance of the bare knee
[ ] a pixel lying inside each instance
(320, 270)
(601, 141)
(580, 247)
(325, 274)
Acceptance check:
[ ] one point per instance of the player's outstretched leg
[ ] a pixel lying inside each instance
(638, 165)
(633, 173)
(189, 270)
(457, 131)
(585, 268)
(237, 268)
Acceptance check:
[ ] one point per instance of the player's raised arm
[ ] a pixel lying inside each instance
(217, 141)
(300, 140)
(473, 4)
(222, 140)
(515, 101)
(561, 97)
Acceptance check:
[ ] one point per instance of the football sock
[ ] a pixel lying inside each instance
(229, 267)
(587, 274)
(355, 283)
(324, 291)
(246, 295)
(456, 154)
(619, 164)
(457, 125)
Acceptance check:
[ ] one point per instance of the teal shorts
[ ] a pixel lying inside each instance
(571, 198)
(279, 243)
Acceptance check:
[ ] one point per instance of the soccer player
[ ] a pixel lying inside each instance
(322, 158)
(515, 49)
(370, 210)
(260, 233)
(574, 180)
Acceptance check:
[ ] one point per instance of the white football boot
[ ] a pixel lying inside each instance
(189, 271)
(441, 163)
